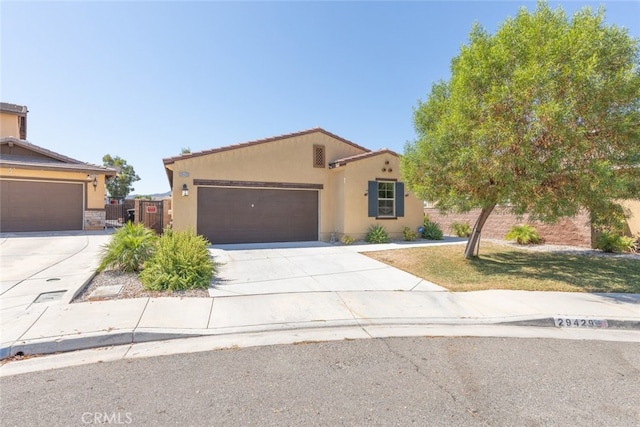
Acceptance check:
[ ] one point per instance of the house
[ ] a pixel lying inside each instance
(304, 186)
(41, 190)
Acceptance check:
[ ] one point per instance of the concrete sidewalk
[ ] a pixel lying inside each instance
(308, 287)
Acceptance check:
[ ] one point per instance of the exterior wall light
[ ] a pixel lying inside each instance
(94, 182)
(185, 190)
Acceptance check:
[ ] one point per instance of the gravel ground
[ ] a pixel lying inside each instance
(572, 250)
(131, 287)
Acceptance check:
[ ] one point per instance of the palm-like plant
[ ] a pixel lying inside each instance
(523, 235)
(129, 248)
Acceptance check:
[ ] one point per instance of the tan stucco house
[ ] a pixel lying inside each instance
(41, 190)
(303, 186)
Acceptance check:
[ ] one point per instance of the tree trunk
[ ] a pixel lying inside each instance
(473, 245)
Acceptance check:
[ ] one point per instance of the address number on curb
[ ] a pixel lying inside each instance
(579, 322)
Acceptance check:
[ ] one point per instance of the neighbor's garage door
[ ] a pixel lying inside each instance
(40, 206)
(238, 215)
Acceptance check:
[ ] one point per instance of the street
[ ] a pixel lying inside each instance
(391, 381)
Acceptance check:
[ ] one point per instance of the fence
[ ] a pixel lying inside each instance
(116, 212)
(152, 213)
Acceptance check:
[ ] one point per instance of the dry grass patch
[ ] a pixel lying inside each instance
(504, 267)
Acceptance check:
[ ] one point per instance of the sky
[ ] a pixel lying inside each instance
(143, 80)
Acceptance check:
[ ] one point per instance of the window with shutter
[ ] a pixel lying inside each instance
(386, 199)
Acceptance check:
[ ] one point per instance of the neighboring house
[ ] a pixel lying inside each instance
(632, 207)
(304, 186)
(41, 190)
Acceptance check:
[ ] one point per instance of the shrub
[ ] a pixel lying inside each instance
(612, 219)
(523, 235)
(129, 248)
(461, 229)
(377, 234)
(408, 234)
(610, 241)
(347, 240)
(431, 230)
(182, 261)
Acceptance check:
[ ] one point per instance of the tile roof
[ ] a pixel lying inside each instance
(171, 160)
(53, 161)
(13, 108)
(345, 160)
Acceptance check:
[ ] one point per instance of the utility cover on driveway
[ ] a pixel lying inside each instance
(49, 296)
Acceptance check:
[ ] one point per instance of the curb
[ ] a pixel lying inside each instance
(550, 322)
(69, 343)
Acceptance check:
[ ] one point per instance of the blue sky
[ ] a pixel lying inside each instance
(141, 80)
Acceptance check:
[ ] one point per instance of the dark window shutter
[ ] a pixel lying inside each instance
(399, 199)
(373, 198)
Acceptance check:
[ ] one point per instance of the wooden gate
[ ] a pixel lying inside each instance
(150, 214)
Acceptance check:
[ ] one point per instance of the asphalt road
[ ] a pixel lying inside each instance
(394, 381)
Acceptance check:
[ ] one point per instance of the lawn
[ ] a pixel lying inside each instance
(505, 267)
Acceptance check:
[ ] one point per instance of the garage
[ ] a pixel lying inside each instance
(40, 206)
(256, 215)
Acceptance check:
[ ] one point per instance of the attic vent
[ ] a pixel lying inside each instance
(318, 156)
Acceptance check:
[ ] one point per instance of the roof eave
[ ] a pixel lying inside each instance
(67, 167)
(347, 160)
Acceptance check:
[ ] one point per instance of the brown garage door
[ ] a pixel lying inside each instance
(40, 206)
(238, 215)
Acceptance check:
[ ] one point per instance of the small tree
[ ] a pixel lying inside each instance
(542, 117)
(120, 185)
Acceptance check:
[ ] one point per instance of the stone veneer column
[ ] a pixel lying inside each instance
(94, 219)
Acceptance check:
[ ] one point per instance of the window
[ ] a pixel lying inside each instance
(386, 199)
(318, 156)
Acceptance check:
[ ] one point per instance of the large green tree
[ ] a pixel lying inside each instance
(120, 185)
(543, 117)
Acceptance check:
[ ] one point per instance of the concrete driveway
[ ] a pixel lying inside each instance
(52, 265)
(255, 269)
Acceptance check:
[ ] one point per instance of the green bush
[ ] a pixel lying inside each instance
(431, 230)
(377, 234)
(347, 240)
(610, 219)
(609, 241)
(523, 235)
(181, 262)
(461, 229)
(408, 234)
(129, 248)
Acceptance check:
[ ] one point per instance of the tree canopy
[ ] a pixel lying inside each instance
(543, 116)
(120, 185)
